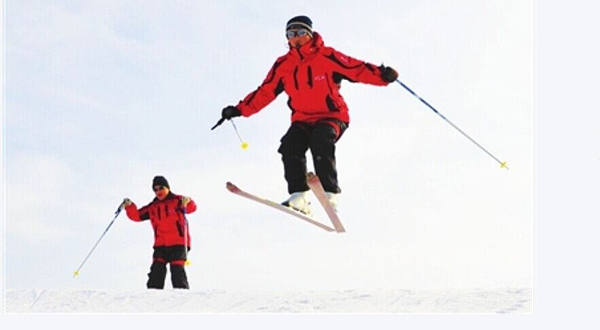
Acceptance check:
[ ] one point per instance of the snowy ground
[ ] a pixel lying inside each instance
(508, 300)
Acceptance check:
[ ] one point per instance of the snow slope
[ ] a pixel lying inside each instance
(507, 300)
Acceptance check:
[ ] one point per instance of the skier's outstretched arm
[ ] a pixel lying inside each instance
(259, 98)
(133, 213)
(355, 70)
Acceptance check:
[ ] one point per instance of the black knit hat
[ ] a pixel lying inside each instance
(160, 181)
(302, 21)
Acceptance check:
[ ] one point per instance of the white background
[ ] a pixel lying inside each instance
(102, 96)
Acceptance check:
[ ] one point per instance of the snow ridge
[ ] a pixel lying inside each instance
(507, 300)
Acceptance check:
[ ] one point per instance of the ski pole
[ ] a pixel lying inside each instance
(219, 122)
(502, 164)
(185, 237)
(244, 143)
(75, 273)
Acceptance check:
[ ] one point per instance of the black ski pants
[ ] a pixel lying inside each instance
(175, 256)
(320, 137)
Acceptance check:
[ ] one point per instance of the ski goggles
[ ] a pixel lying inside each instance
(158, 188)
(296, 33)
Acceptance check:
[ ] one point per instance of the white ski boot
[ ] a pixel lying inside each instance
(298, 202)
(333, 200)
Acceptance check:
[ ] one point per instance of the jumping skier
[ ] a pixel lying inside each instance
(171, 234)
(311, 74)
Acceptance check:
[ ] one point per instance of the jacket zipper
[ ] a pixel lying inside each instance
(296, 78)
(299, 53)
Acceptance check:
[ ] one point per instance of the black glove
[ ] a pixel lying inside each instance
(230, 112)
(388, 74)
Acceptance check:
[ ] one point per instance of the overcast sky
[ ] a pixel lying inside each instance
(103, 95)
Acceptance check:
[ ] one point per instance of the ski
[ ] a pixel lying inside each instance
(234, 189)
(317, 188)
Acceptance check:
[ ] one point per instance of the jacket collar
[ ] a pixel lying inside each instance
(171, 195)
(309, 48)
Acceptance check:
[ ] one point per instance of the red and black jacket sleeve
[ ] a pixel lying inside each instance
(137, 215)
(351, 69)
(265, 93)
(190, 207)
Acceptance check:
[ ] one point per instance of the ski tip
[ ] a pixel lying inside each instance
(231, 187)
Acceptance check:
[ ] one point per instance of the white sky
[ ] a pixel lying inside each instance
(103, 95)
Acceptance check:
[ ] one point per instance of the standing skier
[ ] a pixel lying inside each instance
(310, 74)
(171, 233)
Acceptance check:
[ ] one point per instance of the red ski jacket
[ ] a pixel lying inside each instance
(311, 77)
(167, 219)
